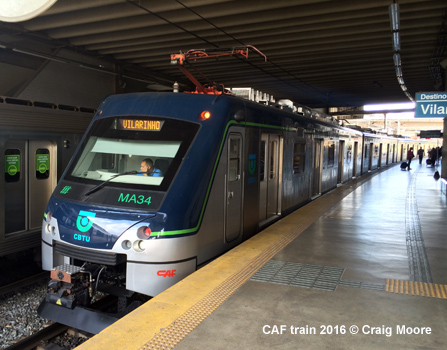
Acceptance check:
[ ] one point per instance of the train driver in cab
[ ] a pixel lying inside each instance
(147, 168)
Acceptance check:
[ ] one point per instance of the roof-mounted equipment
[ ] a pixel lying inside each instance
(195, 55)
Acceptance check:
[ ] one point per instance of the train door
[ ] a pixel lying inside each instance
(379, 164)
(341, 159)
(270, 177)
(387, 153)
(318, 167)
(371, 155)
(354, 159)
(30, 178)
(233, 219)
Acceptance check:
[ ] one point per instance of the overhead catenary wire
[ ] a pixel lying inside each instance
(263, 70)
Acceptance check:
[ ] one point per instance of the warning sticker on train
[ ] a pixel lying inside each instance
(42, 162)
(12, 164)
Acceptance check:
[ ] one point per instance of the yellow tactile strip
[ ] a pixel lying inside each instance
(165, 320)
(416, 288)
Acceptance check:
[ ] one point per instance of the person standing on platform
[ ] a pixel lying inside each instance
(433, 156)
(410, 156)
(421, 155)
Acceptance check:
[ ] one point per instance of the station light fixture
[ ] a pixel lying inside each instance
(396, 41)
(394, 17)
(395, 30)
(396, 58)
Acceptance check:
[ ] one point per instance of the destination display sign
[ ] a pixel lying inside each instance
(430, 134)
(140, 124)
(431, 105)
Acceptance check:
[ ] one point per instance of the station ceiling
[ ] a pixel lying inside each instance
(319, 53)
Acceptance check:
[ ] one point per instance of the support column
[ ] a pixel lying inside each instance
(444, 152)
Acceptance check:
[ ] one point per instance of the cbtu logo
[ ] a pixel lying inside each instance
(81, 238)
(83, 222)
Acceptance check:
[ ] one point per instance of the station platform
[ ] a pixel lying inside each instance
(363, 266)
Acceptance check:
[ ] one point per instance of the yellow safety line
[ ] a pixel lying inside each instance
(423, 289)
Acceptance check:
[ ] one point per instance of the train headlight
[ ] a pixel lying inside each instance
(49, 228)
(139, 246)
(126, 244)
(144, 232)
(205, 115)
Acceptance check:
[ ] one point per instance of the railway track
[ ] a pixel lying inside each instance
(13, 287)
(40, 339)
(43, 338)
(36, 339)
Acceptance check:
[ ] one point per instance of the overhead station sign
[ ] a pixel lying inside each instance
(431, 105)
(430, 134)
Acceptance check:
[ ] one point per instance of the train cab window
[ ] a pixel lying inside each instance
(299, 155)
(129, 154)
(331, 155)
(116, 149)
(42, 164)
(12, 165)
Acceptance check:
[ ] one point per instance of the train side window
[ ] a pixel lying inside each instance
(234, 167)
(273, 159)
(12, 165)
(262, 159)
(42, 164)
(331, 155)
(299, 154)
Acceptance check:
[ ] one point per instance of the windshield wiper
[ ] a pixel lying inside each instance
(102, 184)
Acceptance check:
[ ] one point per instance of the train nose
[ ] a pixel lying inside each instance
(90, 227)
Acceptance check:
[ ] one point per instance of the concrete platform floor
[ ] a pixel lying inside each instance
(391, 227)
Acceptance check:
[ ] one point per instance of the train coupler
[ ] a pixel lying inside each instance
(70, 286)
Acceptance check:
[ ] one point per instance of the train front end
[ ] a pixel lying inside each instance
(123, 218)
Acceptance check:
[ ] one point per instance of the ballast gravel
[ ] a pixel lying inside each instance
(19, 318)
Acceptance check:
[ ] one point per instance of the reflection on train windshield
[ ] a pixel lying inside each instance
(104, 158)
(127, 150)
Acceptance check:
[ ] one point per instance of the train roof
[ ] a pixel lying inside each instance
(160, 103)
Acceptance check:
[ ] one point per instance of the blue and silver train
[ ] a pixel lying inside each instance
(227, 168)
